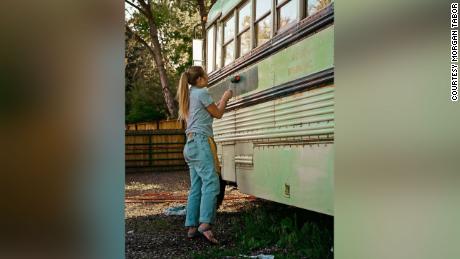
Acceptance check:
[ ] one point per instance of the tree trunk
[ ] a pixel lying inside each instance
(158, 58)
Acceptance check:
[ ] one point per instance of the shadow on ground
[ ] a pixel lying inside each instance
(242, 226)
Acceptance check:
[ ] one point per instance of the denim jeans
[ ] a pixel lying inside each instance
(201, 203)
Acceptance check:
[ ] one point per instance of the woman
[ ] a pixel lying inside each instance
(198, 109)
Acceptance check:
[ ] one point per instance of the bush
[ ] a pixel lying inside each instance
(146, 103)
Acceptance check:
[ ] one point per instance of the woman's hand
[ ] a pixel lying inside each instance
(227, 95)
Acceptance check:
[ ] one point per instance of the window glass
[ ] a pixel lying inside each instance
(244, 17)
(263, 29)
(218, 46)
(229, 29)
(288, 14)
(262, 7)
(315, 5)
(210, 49)
(228, 53)
(245, 42)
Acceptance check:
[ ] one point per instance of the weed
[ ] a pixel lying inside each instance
(279, 231)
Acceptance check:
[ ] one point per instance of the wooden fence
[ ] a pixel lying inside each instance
(155, 125)
(154, 146)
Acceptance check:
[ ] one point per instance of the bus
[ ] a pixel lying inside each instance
(276, 138)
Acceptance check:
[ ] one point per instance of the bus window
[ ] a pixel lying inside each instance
(229, 29)
(210, 49)
(314, 6)
(228, 53)
(287, 13)
(229, 43)
(245, 42)
(263, 7)
(218, 47)
(244, 17)
(263, 30)
(263, 21)
(244, 24)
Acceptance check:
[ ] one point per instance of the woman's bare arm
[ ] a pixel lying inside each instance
(217, 111)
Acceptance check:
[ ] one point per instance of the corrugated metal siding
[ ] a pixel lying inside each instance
(303, 114)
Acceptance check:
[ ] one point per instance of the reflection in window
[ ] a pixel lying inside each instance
(210, 49)
(288, 14)
(228, 53)
(263, 29)
(229, 29)
(244, 17)
(244, 33)
(262, 7)
(315, 5)
(218, 47)
(245, 42)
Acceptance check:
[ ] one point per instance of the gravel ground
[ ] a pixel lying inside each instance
(151, 234)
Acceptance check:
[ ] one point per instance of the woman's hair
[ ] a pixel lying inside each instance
(188, 77)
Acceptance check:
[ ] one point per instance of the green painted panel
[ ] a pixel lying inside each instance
(266, 74)
(223, 6)
(306, 57)
(216, 8)
(228, 5)
(313, 54)
(308, 170)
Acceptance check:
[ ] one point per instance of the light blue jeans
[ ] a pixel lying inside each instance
(202, 198)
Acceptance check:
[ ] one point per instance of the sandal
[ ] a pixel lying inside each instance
(192, 234)
(207, 233)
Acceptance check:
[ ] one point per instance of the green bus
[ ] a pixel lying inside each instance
(276, 139)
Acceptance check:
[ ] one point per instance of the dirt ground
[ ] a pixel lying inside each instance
(152, 234)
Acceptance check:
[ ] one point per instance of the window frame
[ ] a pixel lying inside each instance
(244, 4)
(256, 29)
(302, 13)
(218, 63)
(230, 15)
(214, 45)
(245, 29)
(278, 16)
(262, 17)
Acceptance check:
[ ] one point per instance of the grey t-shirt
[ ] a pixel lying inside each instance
(199, 119)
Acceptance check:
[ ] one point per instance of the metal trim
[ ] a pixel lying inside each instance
(301, 84)
(302, 131)
(245, 160)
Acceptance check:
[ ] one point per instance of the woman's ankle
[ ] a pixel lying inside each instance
(204, 227)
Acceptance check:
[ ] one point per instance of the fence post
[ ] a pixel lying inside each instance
(150, 150)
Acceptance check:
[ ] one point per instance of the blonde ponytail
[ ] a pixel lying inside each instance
(189, 77)
(183, 97)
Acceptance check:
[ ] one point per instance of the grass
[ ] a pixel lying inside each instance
(283, 231)
(137, 186)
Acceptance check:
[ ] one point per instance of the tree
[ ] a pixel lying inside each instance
(145, 9)
(175, 21)
(143, 94)
(145, 104)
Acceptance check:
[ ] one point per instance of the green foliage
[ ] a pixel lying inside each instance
(175, 20)
(280, 232)
(146, 103)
